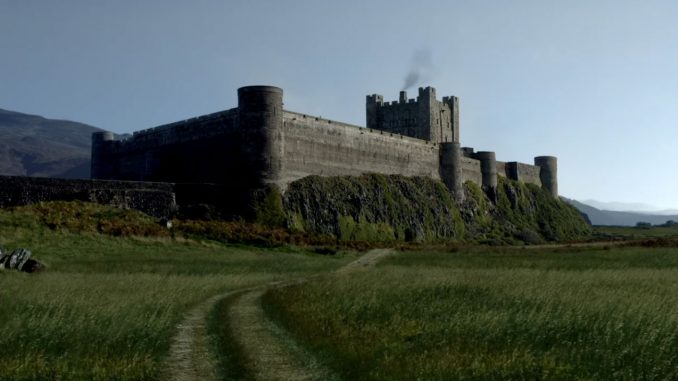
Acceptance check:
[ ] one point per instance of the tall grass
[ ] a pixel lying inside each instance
(514, 314)
(106, 307)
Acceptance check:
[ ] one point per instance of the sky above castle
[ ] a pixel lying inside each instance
(592, 82)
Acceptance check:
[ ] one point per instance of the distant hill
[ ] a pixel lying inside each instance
(637, 207)
(31, 145)
(617, 218)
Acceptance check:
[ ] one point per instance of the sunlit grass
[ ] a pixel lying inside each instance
(513, 314)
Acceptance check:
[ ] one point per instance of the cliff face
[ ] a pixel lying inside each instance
(380, 208)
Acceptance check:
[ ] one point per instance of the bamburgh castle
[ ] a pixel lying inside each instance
(258, 144)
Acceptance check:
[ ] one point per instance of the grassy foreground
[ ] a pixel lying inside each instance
(106, 307)
(592, 314)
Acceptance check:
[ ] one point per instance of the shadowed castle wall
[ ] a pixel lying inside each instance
(162, 153)
(258, 144)
(155, 199)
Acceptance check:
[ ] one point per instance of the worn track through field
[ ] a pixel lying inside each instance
(268, 358)
(189, 356)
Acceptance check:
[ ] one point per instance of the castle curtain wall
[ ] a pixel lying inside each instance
(523, 172)
(204, 149)
(315, 146)
(258, 144)
(470, 170)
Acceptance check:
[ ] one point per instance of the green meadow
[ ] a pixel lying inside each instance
(106, 306)
(481, 313)
(117, 284)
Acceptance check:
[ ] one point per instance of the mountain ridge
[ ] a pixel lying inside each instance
(32, 145)
(619, 218)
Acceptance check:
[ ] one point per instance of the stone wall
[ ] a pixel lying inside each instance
(470, 170)
(316, 146)
(523, 172)
(501, 168)
(162, 153)
(155, 199)
(258, 144)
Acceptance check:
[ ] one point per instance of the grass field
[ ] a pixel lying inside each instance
(106, 307)
(632, 232)
(572, 313)
(117, 284)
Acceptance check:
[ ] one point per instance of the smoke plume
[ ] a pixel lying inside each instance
(421, 69)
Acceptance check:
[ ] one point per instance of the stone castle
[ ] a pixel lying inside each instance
(259, 144)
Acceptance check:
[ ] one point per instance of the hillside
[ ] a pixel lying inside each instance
(31, 145)
(384, 208)
(616, 218)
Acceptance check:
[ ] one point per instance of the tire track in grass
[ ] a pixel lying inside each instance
(189, 355)
(268, 358)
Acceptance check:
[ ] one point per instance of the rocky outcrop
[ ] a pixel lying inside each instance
(381, 208)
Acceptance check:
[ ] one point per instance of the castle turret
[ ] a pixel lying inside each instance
(453, 103)
(450, 169)
(426, 114)
(372, 105)
(102, 164)
(548, 173)
(260, 116)
(488, 168)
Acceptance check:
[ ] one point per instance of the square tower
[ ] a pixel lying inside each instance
(425, 118)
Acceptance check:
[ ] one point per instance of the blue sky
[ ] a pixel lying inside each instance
(592, 82)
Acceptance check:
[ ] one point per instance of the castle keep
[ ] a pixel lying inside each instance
(258, 144)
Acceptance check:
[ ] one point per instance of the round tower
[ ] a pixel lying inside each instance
(488, 168)
(548, 173)
(450, 169)
(101, 166)
(260, 115)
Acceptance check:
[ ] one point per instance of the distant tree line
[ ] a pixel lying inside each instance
(647, 225)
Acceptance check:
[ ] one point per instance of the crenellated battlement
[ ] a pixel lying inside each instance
(424, 118)
(259, 144)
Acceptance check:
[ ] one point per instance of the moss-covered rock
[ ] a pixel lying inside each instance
(381, 208)
(522, 213)
(374, 208)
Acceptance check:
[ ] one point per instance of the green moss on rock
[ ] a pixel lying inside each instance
(267, 206)
(383, 208)
(375, 207)
(523, 213)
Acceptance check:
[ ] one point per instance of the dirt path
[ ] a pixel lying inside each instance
(189, 357)
(268, 358)
(366, 261)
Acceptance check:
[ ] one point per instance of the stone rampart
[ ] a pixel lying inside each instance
(186, 151)
(470, 170)
(523, 172)
(316, 146)
(258, 144)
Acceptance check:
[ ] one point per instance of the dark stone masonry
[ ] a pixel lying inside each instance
(223, 159)
(259, 143)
